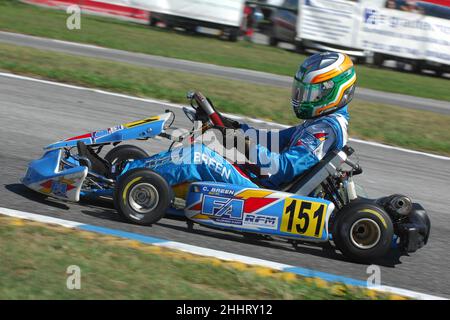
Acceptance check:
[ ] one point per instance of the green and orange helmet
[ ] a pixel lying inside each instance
(324, 83)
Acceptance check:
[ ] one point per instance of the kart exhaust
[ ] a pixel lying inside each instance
(398, 204)
(415, 232)
(411, 221)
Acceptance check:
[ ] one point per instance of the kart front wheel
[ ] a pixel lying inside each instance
(142, 196)
(363, 232)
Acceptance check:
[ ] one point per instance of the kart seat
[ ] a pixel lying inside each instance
(314, 176)
(313, 173)
(92, 160)
(254, 173)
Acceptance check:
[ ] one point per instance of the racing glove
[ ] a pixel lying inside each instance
(234, 139)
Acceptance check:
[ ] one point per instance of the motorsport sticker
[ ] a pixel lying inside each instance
(115, 129)
(223, 210)
(59, 188)
(99, 134)
(259, 220)
(219, 191)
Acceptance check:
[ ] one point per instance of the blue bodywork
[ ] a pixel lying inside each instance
(46, 175)
(258, 210)
(141, 129)
(58, 173)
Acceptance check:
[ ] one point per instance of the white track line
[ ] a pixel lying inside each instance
(39, 218)
(170, 104)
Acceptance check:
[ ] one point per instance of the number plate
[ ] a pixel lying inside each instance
(301, 217)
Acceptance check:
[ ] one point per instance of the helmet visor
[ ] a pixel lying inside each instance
(307, 92)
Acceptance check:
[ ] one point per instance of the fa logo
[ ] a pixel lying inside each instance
(73, 22)
(74, 279)
(223, 207)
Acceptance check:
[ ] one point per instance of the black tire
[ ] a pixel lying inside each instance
(360, 60)
(438, 73)
(118, 155)
(378, 59)
(273, 42)
(363, 232)
(416, 66)
(153, 22)
(190, 29)
(233, 34)
(299, 47)
(155, 192)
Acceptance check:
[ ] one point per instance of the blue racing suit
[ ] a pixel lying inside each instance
(299, 148)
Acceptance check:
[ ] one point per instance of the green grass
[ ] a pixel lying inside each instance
(34, 260)
(17, 17)
(415, 129)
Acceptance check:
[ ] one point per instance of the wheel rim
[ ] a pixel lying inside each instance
(143, 198)
(365, 233)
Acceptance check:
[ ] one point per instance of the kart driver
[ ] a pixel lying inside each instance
(322, 88)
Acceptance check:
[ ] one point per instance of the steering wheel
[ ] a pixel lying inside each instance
(205, 110)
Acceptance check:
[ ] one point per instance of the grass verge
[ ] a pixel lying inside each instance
(35, 258)
(414, 129)
(21, 18)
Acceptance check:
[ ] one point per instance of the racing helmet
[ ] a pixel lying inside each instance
(323, 83)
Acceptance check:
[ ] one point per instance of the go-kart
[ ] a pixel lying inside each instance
(321, 206)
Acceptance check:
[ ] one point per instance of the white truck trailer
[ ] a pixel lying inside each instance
(224, 15)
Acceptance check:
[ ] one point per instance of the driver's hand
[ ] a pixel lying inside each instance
(235, 139)
(230, 123)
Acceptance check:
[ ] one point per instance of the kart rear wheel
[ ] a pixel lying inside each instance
(363, 231)
(118, 155)
(142, 196)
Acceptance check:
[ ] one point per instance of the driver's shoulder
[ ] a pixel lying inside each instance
(335, 122)
(330, 129)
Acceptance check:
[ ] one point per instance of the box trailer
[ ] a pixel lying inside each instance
(223, 15)
(417, 33)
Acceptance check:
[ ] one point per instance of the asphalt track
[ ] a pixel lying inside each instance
(210, 69)
(33, 114)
